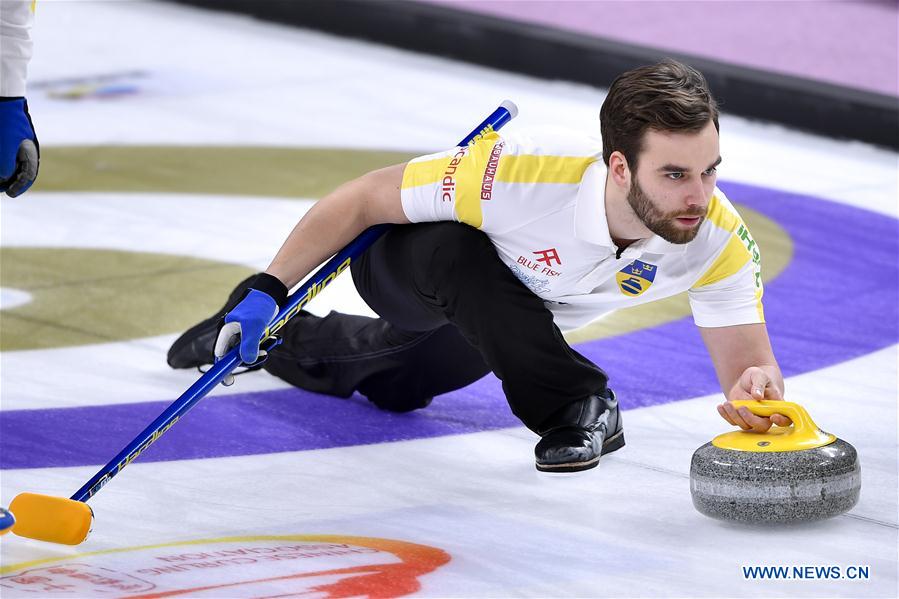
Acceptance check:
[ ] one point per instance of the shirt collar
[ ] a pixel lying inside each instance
(591, 225)
(657, 245)
(590, 222)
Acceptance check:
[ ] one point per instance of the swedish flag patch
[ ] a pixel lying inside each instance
(635, 278)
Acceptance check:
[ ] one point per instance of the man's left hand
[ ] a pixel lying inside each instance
(754, 383)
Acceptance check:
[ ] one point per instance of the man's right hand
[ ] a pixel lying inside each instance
(20, 153)
(247, 322)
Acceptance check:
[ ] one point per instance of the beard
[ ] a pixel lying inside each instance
(663, 224)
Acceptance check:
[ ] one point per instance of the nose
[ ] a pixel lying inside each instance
(695, 195)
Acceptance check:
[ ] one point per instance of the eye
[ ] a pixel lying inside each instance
(710, 172)
(675, 176)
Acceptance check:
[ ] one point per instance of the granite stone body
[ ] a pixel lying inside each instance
(785, 486)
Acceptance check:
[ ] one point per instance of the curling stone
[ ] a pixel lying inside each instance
(789, 474)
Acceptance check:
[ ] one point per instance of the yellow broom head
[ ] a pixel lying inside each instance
(51, 519)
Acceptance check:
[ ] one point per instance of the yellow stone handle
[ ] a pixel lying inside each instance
(804, 434)
(767, 407)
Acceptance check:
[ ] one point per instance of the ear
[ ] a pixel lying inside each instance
(619, 170)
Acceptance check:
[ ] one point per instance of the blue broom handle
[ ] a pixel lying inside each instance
(231, 360)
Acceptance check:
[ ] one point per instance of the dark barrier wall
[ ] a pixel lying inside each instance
(555, 54)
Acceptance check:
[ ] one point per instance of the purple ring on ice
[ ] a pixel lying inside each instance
(838, 299)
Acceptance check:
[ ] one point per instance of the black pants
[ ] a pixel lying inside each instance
(451, 311)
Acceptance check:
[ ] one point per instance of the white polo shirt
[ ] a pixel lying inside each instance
(542, 204)
(16, 17)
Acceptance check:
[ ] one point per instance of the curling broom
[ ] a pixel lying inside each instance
(68, 521)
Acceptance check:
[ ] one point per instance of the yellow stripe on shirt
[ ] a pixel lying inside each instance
(740, 249)
(523, 168)
(425, 172)
(467, 177)
(735, 254)
(532, 168)
(719, 215)
(729, 262)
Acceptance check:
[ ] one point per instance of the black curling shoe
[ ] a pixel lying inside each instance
(196, 347)
(577, 435)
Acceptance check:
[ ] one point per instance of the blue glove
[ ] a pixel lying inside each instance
(249, 318)
(20, 152)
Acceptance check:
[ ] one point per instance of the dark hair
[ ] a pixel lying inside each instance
(667, 96)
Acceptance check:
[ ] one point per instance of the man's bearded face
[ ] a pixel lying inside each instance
(665, 225)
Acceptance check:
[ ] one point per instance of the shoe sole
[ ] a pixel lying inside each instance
(613, 443)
